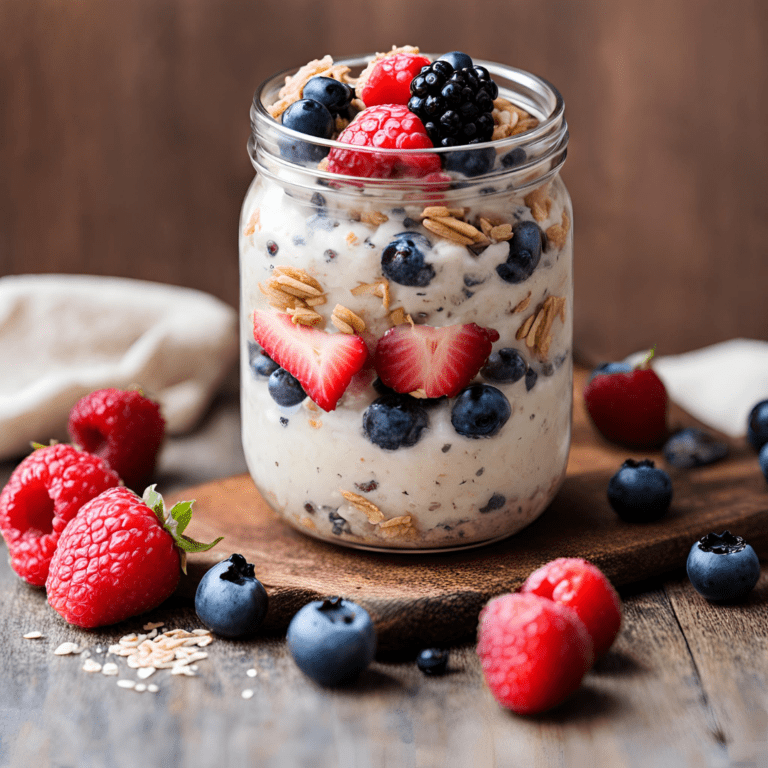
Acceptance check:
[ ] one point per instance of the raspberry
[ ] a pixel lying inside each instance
(387, 126)
(122, 427)
(390, 80)
(534, 652)
(43, 494)
(119, 557)
(581, 586)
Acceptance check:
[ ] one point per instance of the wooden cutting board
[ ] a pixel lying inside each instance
(419, 600)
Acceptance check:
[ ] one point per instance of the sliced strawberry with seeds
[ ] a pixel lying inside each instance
(324, 363)
(440, 361)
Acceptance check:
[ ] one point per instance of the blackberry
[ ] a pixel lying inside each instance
(456, 106)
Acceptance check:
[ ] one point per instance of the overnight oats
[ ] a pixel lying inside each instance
(406, 300)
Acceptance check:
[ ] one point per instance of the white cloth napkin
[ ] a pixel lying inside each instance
(718, 385)
(63, 336)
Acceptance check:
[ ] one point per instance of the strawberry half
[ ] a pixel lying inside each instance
(324, 363)
(439, 361)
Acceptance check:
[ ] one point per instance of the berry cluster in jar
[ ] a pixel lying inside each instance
(402, 100)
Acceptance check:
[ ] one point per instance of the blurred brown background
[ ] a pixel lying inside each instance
(123, 130)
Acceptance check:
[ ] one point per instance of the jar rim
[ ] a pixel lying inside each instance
(537, 95)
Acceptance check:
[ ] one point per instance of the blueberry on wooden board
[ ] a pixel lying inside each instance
(723, 567)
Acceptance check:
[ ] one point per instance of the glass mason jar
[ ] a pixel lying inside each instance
(487, 240)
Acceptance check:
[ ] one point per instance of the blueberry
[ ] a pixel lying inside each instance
(640, 492)
(457, 59)
(514, 157)
(763, 459)
(722, 567)
(394, 421)
(332, 94)
(230, 600)
(332, 641)
(261, 364)
(480, 410)
(524, 252)
(432, 661)
(402, 261)
(313, 119)
(693, 448)
(470, 162)
(497, 501)
(530, 379)
(505, 365)
(757, 425)
(609, 368)
(284, 388)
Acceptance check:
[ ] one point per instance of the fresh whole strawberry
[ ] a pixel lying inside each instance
(390, 79)
(124, 428)
(439, 361)
(43, 494)
(533, 651)
(581, 586)
(629, 408)
(121, 556)
(386, 126)
(324, 363)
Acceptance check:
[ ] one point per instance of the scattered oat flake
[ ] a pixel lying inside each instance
(91, 666)
(152, 688)
(67, 648)
(33, 635)
(140, 687)
(109, 669)
(145, 672)
(126, 683)
(153, 625)
(247, 693)
(252, 673)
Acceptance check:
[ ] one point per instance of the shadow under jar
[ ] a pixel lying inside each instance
(399, 471)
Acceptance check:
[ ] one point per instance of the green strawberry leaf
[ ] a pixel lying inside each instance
(190, 545)
(155, 502)
(182, 514)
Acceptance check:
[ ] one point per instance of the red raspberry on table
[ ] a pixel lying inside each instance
(387, 126)
(121, 556)
(43, 494)
(390, 79)
(124, 428)
(583, 587)
(534, 652)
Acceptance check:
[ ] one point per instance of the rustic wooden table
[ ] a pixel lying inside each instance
(684, 685)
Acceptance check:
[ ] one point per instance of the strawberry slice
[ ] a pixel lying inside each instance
(440, 361)
(323, 362)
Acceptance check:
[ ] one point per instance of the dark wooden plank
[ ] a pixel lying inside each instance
(124, 126)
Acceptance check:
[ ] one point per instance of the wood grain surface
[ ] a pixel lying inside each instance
(123, 130)
(418, 599)
(684, 685)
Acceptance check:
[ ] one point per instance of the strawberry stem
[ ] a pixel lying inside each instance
(646, 361)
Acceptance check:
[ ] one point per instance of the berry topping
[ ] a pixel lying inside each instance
(505, 365)
(402, 261)
(324, 363)
(524, 252)
(230, 600)
(332, 94)
(757, 425)
(394, 421)
(640, 492)
(42, 495)
(119, 557)
(390, 79)
(514, 157)
(581, 586)
(310, 117)
(456, 106)
(285, 390)
(693, 448)
(723, 567)
(262, 365)
(470, 162)
(457, 59)
(387, 126)
(763, 459)
(124, 428)
(332, 641)
(438, 361)
(534, 652)
(629, 408)
(432, 661)
(480, 411)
